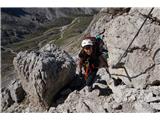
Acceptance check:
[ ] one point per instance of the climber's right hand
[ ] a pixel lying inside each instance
(80, 74)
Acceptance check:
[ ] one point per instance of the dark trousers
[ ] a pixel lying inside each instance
(91, 77)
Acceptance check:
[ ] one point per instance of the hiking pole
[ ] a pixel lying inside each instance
(118, 65)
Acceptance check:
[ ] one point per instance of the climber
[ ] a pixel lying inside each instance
(90, 59)
(100, 47)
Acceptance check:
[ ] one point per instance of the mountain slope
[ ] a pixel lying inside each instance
(18, 22)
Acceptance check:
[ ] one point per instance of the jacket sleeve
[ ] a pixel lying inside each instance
(80, 61)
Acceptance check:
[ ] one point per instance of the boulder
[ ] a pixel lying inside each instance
(44, 72)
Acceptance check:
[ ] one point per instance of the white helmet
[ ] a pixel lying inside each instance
(86, 42)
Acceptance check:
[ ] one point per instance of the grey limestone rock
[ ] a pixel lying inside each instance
(43, 73)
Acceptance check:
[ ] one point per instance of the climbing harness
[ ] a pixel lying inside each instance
(88, 69)
(119, 64)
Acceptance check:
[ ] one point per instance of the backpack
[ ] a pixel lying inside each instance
(103, 49)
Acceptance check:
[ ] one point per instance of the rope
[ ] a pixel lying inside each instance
(134, 37)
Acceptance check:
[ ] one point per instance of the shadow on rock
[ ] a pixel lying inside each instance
(102, 82)
(77, 84)
(118, 81)
(103, 91)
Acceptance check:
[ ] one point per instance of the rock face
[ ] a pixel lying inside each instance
(44, 73)
(141, 63)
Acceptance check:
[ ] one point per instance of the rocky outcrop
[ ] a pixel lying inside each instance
(43, 73)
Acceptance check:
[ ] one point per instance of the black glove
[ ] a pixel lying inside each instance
(80, 73)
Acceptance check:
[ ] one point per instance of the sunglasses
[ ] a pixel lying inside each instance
(88, 47)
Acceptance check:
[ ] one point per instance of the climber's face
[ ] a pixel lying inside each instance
(88, 49)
